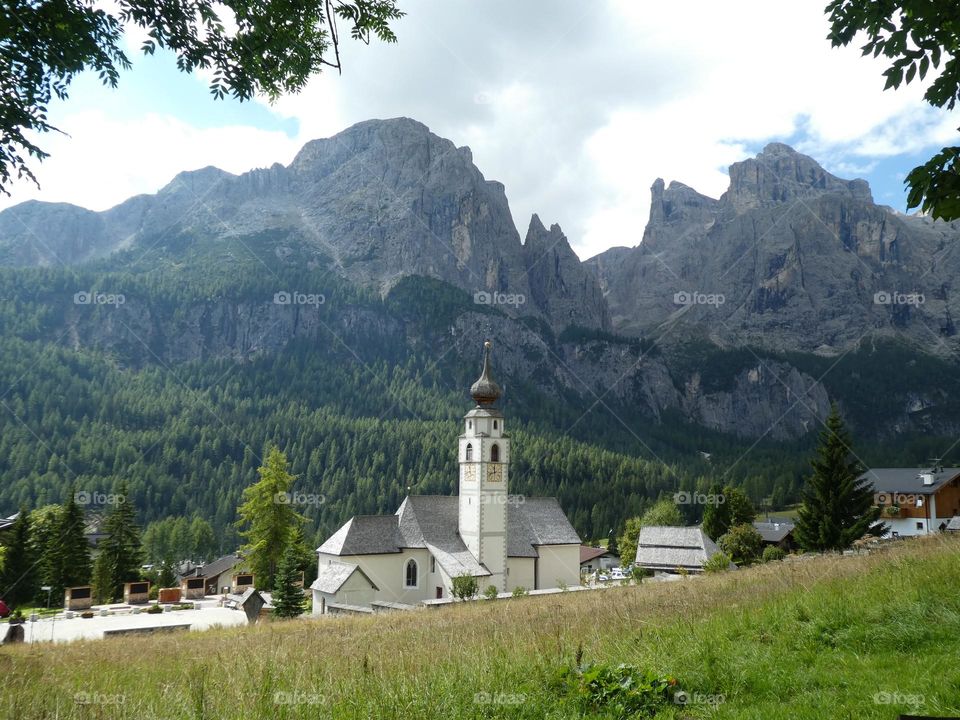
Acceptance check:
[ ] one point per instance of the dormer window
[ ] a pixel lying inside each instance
(469, 452)
(494, 453)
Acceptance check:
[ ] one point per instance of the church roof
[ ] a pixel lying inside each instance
(332, 577)
(432, 522)
(365, 535)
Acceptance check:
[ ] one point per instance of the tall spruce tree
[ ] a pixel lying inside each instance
(120, 549)
(837, 505)
(268, 518)
(288, 597)
(69, 563)
(20, 574)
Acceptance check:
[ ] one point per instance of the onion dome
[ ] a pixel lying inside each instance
(485, 391)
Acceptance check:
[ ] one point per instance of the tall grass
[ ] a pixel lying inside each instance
(832, 637)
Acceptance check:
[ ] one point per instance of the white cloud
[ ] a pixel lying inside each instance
(104, 161)
(575, 108)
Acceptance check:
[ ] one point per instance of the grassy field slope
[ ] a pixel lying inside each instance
(832, 637)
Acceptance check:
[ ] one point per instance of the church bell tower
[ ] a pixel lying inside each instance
(484, 463)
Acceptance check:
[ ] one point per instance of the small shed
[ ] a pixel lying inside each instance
(193, 588)
(136, 592)
(78, 598)
(673, 549)
(777, 533)
(597, 558)
(250, 601)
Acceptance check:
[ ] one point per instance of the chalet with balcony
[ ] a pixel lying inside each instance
(916, 501)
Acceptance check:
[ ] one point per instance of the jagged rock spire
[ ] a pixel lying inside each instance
(485, 390)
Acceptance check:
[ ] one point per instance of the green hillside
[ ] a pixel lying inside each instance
(816, 639)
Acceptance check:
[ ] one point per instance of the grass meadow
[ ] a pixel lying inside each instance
(832, 637)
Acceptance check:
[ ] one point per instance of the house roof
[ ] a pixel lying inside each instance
(8, 521)
(588, 553)
(332, 577)
(908, 480)
(954, 523)
(432, 522)
(774, 531)
(218, 566)
(661, 547)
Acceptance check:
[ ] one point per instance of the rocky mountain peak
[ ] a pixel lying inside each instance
(567, 291)
(780, 174)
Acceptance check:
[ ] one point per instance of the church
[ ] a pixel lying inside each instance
(504, 540)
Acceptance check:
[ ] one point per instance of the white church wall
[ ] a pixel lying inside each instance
(387, 571)
(520, 574)
(558, 563)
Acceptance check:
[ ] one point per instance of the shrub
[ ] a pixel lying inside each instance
(465, 587)
(491, 592)
(154, 609)
(638, 574)
(772, 552)
(742, 543)
(682, 571)
(618, 691)
(718, 563)
(519, 591)
(154, 592)
(562, 585)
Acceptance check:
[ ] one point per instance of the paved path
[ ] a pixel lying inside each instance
(63, 630)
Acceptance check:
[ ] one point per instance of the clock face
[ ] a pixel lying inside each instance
(469, 473)
(495, 473)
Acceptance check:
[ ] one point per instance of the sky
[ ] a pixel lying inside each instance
(576, 107)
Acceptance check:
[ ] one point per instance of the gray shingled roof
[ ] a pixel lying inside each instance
(332, 577)
(365, 535)
(217, 567)
(774, 531)
(432, 522)
(908, 480)
(669, 547)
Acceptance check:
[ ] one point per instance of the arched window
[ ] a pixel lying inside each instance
(469, 452)
(469, 424)
(494, 453)
(494, 424)
(410, 574)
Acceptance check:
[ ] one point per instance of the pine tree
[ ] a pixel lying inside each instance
(120, 549)
(70, 552)
(18, 579)
(288, 598)
(269, 518)
(837, 505)
(716, 516)
(103, 590)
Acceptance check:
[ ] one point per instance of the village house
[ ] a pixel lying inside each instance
(597, 559)
(673, 549)
(915, 501)
(505, 541)
(777, 533)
